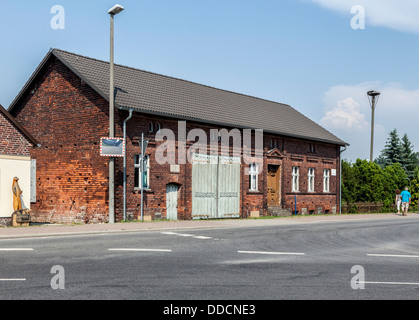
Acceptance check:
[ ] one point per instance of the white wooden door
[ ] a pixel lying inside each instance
(171, 201)
(215, 187)
(229, 187)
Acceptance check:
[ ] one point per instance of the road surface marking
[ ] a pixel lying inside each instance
(392, 256)
(391, 283)
(10, 280)
(273, 253)
(15, 249)
(142, 250)
(187, 235)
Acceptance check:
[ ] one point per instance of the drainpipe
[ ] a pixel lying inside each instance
(125, 164)
(340, 179)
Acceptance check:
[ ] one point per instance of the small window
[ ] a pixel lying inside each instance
(145, 177)
(273, 143)
(311, 148)
(311, 180)
(326, 180)
(295, 179)
(253, 174)
(151, 127)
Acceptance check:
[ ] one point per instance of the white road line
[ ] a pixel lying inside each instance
(177, 234)
(273, 253)
(186, 235)
(392, 256)
(15, 249)
(141, 250)
(10, 280)
(391, 283)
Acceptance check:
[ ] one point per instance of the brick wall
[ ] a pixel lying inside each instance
(12, 141)
(67, 118)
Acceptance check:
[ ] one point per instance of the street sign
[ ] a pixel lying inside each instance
(112, 147)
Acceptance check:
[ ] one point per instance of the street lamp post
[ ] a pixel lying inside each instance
(373, 97)
(112, 12)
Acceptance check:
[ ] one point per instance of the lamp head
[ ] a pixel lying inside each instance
(373, 93)
(116, 9)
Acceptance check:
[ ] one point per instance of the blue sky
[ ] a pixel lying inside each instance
(300, 52)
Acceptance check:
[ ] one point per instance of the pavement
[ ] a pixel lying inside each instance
(53, 230)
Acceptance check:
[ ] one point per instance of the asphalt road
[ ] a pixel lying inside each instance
(292, 262)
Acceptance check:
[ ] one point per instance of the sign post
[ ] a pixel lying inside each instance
(112, 148)
(144, 144)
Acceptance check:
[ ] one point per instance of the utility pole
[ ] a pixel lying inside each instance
(112, 12)
(373, 98)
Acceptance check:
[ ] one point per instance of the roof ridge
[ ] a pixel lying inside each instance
(175, 78)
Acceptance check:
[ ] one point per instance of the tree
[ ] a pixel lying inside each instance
(394, 178)
(414, 187)
(365, 181)
(392, 152)
(409, 158)
(370, 182)
(348, 183)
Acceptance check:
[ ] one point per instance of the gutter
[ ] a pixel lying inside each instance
(125, 164)
(340, 179)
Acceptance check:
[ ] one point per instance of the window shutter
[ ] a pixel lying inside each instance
(33, 181)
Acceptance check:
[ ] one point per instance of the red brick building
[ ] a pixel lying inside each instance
(65, 107)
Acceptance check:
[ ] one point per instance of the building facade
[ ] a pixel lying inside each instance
(65, 107)
(15, 161)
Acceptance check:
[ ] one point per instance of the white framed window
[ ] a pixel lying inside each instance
(326, 180)
(295, 179)
(145, 177)
(253, 176)
(311, 180)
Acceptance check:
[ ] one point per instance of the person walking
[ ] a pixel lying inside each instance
(406, 199)
(398, 200)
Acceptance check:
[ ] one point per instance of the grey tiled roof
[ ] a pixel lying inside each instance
(158, 94)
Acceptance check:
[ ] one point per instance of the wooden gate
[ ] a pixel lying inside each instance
(215, 187)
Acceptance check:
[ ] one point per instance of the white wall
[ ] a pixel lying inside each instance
(10, 167)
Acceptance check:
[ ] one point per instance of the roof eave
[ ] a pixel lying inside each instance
(29, 82)
(83, 78)
(19, 126)
(53, 52)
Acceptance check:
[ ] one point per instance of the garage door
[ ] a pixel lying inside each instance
(215, 187)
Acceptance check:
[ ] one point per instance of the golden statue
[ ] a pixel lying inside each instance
(17, 202)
